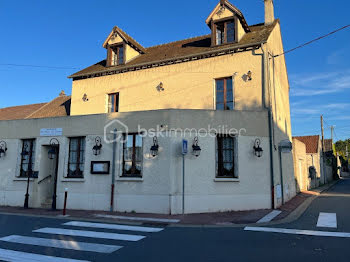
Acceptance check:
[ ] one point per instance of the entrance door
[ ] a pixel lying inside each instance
(47, 181)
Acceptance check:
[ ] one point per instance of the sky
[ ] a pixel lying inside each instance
(70, 34)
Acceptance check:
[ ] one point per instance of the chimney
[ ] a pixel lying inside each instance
(269, 12)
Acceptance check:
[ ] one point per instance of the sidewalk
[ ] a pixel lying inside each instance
(220, 218)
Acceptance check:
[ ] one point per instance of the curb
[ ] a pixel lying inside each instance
(293, 216)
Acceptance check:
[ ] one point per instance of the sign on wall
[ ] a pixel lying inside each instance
(184, 147)
(51, 132)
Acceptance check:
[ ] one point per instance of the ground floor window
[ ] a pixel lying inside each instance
(132, 155)
(76, 157)
(27, 157)
(225, 156)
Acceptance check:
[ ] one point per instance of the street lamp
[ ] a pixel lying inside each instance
(3, 148)
(52, 154)
(154, 147)
(196, 150)
(97, 147)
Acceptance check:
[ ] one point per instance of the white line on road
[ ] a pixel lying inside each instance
(163, 220)
(80, 246)
(269, 216)
(113, 226)
(327, 220)
(93, 234)
(17, 256)
(298, 232)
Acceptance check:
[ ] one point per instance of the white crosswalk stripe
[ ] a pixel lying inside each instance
(80, 246)
(327, 220)
(58, 242)
(17, 256)
(93, 234)
(114, 226)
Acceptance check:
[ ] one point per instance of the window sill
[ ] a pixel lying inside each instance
(130, 179)
(23, 179)
(66, 179)
(218, 179)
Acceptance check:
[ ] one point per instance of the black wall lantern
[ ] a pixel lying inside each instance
(53, 146)
(3, 148)
(154, 147)
(196, 150)
(97, 147)
(257, 149)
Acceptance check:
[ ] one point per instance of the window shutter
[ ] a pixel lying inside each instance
(213, 34)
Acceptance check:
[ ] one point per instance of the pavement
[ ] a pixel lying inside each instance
(320, 233)
(236, 218)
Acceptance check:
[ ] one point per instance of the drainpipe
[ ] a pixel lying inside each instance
(268, 107)
(113, 167)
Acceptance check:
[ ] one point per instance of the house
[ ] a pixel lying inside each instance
(133, 116)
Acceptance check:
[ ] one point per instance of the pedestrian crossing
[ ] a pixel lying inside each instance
(91, 233)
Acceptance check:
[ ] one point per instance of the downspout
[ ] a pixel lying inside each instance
(113, 168)
(268, 107)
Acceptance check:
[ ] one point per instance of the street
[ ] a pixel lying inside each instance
(50, 239)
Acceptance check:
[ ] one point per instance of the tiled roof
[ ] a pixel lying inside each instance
(182, 49)
(311, 142)
(60, 106)
(328, 145)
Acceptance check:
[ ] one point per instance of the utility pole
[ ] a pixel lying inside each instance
(332, 130)
(323, 156)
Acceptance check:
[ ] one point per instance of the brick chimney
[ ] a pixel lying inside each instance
(269, 12)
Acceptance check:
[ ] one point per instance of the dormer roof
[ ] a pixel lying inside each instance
(233, 9)
(126, 38)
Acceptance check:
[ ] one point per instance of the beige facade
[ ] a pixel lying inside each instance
(301, 172)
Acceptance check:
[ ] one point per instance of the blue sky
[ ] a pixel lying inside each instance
(70, 34)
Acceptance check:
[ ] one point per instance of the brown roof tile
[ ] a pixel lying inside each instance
(311, 142)
(19, 112)
(60, 106)
(181, 49)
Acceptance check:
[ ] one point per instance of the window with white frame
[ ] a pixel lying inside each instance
(27, 158)
(132, 155)
(76, 157)
(225, 156)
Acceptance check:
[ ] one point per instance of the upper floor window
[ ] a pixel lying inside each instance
(117, 55)
(225, 32)
(132, 155)
(76, 157)
(27, 157)
(224, 94)
(113, 103)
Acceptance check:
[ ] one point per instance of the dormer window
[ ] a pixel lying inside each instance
(117, 55)
(225, 32)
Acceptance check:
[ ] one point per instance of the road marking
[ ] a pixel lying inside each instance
(93, 234)
(164, 220)
(113, 226)
(327, 220)
(269, 216)
(80, 246)
(17, 256)
(299, 232)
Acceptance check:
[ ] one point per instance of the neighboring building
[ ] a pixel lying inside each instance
(301, 166)
(228, 79)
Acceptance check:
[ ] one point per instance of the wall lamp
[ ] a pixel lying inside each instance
(257, 149)
(160, 87)
(196, 150)
(53, 148)
(3, 148)
(155, 147)
(97, 147)
(249, 75)
(85, 98)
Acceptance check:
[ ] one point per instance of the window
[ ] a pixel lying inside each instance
(27, 158)
(225, 32)
(225, 156)
(76, 157)
(224, 94)
(113, 103)
(117, 55)
(132, 155)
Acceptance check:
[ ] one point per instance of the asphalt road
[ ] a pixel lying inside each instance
(183, 244)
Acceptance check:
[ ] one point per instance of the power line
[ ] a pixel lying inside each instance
(40, 66)
(314, 40)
